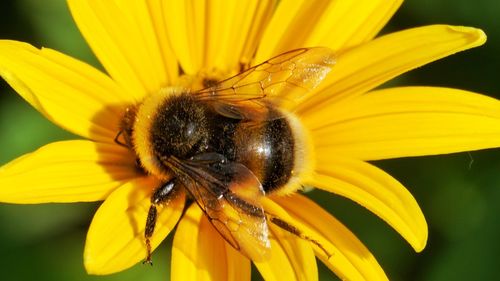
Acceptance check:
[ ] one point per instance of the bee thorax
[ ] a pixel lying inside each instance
(179, 128)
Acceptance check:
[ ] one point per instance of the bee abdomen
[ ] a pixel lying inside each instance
(278, 165)
(267, 149)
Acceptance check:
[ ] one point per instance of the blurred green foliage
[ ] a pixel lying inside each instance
(458, 193)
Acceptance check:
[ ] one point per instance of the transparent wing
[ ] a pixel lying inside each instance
(281, 81)
(229, 194)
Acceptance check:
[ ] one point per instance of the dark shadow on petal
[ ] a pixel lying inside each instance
(118, 160)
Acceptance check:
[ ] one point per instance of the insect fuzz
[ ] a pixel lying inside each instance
(207, 155)
(184, 128)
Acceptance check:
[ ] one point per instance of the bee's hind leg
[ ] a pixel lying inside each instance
(160, 195)
(295, 231)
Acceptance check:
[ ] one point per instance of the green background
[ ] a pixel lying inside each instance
(458, 193)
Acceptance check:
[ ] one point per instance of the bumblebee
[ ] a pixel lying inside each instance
(228, 145)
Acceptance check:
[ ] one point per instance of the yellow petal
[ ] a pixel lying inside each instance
(349, 258)
(234, 27)
(335, 24)
(68, 171)
(363, 68)
(115, 240)
(185, 23)
(125, 36)
(291, 258)
(407, 121)
(215, 34)
(68, 92)
(200, 253)
(157, 16)
(375, 190)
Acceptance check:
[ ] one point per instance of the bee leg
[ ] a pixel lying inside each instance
(295, 231)
(118, 141)
(150, 227)
(161, 194)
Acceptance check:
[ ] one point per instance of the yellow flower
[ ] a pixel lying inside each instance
(147, 46)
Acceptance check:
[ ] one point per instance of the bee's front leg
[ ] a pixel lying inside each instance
(161, 194)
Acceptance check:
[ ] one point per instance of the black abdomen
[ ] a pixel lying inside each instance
(266, 148)
(278, 166)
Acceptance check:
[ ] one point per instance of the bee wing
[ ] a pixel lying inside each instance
(229, 193)
(281, 81)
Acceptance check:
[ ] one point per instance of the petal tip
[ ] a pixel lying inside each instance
(420, 246)
(90, 268)
(421, 241)
(477, 36)
(421, 235)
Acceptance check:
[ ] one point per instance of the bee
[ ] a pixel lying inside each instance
(228, 145)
